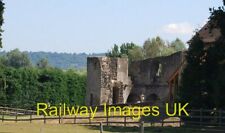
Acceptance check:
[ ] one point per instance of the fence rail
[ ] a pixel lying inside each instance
(199, 118)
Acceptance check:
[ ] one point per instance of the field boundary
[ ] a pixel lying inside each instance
(198, 118)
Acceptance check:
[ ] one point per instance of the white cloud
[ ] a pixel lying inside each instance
(179, 28)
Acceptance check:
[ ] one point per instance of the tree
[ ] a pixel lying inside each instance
(121, 51)
(42, 63)
(193, 83)
(115, 52)
(178, 45)
(135, 53)
(125, 47)
(1, 20)
(17, 59)
(203, 78)
(156, 47)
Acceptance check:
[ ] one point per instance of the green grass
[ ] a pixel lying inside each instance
(43, 128)
(70, 128)
(157, 130)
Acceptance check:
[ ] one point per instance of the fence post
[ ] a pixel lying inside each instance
(44, 119)
(89, 118)
(75, 119)
(200, 117)
(59, 119)
(125, 121)
(30, 118)
(16, 117)
(162, 123)
(142, 127)
(180, 122)
(220, 117)
(3, 117)
(107, 118)
(101, 127)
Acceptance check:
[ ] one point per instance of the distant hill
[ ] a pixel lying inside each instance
(61, 60)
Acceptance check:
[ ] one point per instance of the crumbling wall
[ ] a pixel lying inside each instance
(93, 81)
(108, 82)
(150, 76)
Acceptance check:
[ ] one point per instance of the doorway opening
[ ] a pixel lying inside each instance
(115, 95)
(91, 99)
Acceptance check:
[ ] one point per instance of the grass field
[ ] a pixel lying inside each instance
(44, 128)
(69, 128)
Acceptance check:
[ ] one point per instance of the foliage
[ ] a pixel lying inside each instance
(120, 51)
(42, 63)
(1, 20)
(136, 53)
(154, 47)
(59, 60)
(16, 59)
(178, 45)
(130, 50)
(25, 86)
(203, 79)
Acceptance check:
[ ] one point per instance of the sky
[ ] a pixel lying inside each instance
(94, 26)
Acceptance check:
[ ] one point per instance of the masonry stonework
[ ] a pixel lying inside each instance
(107, 80)
(148, 80)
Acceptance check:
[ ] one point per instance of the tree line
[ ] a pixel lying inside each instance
(23, 85)
(59, 60)
(152, 47)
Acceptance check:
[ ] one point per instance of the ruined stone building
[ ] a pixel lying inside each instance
(151, 78)
(155, 79)
(108, 80)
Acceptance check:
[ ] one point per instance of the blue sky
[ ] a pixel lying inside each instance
(93, 26)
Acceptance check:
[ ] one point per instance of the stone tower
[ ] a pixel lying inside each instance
(107, 80)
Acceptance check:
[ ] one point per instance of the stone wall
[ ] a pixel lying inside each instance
(108, 80)
(150, 76)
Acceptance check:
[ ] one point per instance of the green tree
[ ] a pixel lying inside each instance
(203, 79)
(136, 53)
(17, 59)
(125, 47)
(178, 45)
(115, 52)
(42, 63)
(126, 50)
(156, 47)
(193, 83)
(1, 20)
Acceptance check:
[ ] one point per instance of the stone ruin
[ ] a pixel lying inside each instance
(110, 81)
(151, 78)
(107, 80)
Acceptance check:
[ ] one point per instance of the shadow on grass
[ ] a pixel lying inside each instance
(153, 129)
(137, 129)
(115, 129)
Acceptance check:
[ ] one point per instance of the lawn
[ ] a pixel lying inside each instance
(43, 128)
(70, 128)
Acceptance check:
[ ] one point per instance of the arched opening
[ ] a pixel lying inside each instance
(152, 98)
(133, 98)
(115, 95)
(91, 99)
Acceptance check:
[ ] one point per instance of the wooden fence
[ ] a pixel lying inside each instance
(197, 118)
